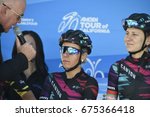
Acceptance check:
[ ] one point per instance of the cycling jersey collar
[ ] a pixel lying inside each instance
(75, 77)
(145, 55)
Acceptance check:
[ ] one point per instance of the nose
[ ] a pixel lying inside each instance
(65, 54)
(128, 37)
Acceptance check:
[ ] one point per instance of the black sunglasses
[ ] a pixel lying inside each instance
(70, 50)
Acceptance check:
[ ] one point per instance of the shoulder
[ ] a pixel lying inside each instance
(114, 68)
(55, 74)
(116, 64)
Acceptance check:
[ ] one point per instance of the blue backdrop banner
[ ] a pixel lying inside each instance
(100, 19)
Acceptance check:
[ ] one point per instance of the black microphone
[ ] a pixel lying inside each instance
(19, 34)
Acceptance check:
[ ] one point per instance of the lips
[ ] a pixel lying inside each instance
(129, 44)
(65, 61)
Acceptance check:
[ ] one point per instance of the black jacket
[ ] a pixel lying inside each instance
(35, 82)
(11, 68)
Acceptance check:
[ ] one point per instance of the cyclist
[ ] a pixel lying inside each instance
(129, 78)
(73, 83)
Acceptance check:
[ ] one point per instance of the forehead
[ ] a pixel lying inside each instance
(71, 45)
(17, 5)
(134, 30)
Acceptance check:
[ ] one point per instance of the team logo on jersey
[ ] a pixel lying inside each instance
(128, 71)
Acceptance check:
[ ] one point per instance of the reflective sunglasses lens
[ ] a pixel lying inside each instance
(72, 51)
(69, 50)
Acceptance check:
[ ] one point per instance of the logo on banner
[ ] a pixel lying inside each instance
(90, 24)
(92, 70)
(28, 21)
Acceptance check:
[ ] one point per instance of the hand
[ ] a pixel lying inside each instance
(26, 49)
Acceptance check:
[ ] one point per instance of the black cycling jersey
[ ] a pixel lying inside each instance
(130, 78)
(58, 87)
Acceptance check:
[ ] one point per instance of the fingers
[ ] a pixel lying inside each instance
(18, 43)
(27, 49)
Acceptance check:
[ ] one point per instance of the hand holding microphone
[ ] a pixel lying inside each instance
(25, 47)
(19, 34)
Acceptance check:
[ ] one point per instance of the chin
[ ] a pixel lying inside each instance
(130, 50)
(66, 67)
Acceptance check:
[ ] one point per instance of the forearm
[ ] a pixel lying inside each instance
(11, 68)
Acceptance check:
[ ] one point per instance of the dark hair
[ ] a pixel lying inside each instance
(77, 37)
(40, 57)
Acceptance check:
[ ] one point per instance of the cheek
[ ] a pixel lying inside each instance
(125, 41)
(6, 24)
(75, 60)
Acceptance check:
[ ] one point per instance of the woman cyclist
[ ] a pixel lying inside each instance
(129, 78)
(73, 83)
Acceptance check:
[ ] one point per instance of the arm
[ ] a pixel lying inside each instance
(11, 68)
(112, 89)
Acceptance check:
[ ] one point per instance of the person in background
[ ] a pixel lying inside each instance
(34, 76)
(129, 78)
(11, 12)
(73, 83)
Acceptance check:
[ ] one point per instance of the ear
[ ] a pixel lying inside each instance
(148, 41)
(83, 57)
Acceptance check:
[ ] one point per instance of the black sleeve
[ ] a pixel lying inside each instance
(11, 68)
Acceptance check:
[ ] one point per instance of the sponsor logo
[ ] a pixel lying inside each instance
(128, 71)
(28, 21)
(89, 24)
(92, 70)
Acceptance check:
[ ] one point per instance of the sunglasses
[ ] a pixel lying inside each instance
(69, 50)
(132, 23)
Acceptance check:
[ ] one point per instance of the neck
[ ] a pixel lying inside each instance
(72, 73)
(139, 54)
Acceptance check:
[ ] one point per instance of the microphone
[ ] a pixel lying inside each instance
(19, 34)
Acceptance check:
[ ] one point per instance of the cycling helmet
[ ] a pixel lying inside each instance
(77, 37)
(137, 20)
